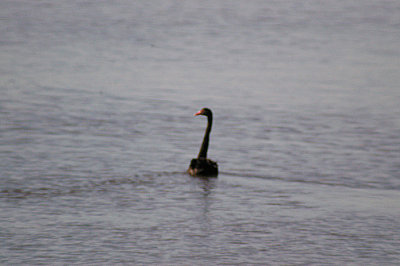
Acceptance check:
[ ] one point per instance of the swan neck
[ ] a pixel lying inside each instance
(204, 145)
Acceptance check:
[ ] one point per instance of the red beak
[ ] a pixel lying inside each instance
(198, 113)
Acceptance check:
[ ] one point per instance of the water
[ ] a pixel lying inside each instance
(97, 131)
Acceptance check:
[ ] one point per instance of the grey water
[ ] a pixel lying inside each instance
(97, 130)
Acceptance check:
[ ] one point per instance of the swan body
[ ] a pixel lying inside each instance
(201, 166)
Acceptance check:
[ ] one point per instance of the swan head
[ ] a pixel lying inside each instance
(204, 111)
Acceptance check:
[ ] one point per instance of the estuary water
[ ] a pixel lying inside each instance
(97, 130)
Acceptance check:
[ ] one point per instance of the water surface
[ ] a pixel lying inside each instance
(97, 132)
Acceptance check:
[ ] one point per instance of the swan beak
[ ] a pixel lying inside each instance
(198, 113)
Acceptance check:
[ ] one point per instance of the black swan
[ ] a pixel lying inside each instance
(201, 166)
